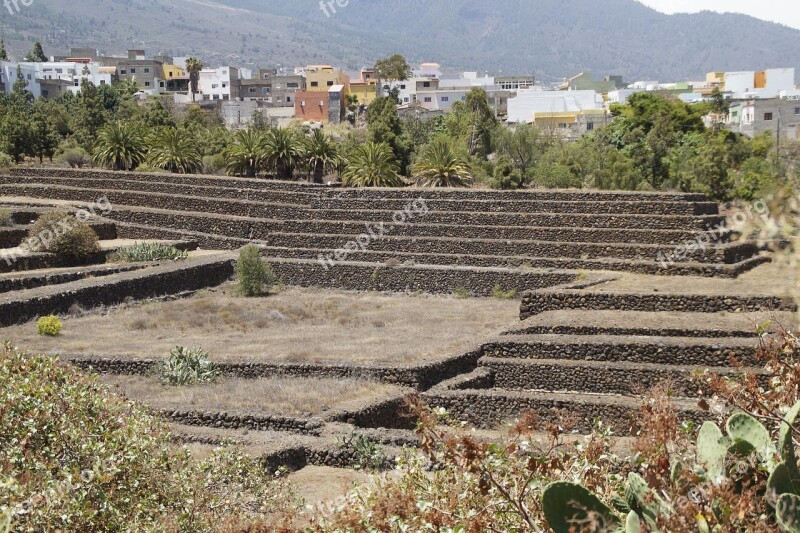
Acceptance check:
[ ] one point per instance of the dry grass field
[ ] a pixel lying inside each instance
(295, 325)
(270, 396)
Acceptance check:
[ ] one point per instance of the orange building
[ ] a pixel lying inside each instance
(311, 106)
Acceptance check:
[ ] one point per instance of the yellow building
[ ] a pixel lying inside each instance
(323, 77)
(173, 71)
(365, 89)
(717, 79)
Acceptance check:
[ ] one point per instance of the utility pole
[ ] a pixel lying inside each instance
(778, 146)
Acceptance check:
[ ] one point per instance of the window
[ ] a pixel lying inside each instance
(224, 85)
(563, 125)
(589, 126)
(402, 87)
(426, 84)
(147, 84)
(77, 83)
(767, 116)
(253, 90)
(161, 84)
(123, 72)
(405, 99)
(102, 82)
(314, 84)
(445, 98)
(147, 70)
(288, 99)
(330, 84)
(428, 99)
(292, 86)
(133, 71)
(214, 85)
(797, 111)
(45, 93)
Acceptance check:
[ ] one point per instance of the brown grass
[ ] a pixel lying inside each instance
(278, 396)
(297, 325)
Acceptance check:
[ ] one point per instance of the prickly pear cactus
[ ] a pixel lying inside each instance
(787, 512)
(786, 444)
(712, 448)
(743, 427)
(564, 503)
(632, 523)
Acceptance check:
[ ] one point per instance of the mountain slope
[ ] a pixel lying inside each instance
(550, 38)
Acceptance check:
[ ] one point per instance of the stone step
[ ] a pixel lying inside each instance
(14, 236)
(524, 206)
(637, 323)
(491, 408)
(567, 220)
(425, 278)
(695, 351)
(159, 200)
(261, 227)
(207, 241)
(540, 301)
(48, 277)
(644, 267)
(162, 280)
(725, 253)
(166, 186)
(624, 378)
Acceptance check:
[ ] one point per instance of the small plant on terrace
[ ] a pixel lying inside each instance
(498, 292)
(367, 455)
(462, 292)
(49, 325)
(60, 233)
(150, 251)
(186, 366)
(5, 218)
(254, 275)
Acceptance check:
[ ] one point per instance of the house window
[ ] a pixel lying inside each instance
(292, 86)
(314, 84)
(589, 126)
(428, 99)
(405, 99)
(288, 99)
(214, 85)
(330, 84)
(426, 84)
(445, 98)
(133, 71)
(797, 111)
(562, 125)
(45, 93)
(253, 90)
(123, 72)
(767, 116)
(77, 83)
(102, 82)
(147, 71)
(402, 87)
(265, 90)
(147, 84)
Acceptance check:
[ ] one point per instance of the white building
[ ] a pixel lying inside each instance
(215, 83)
(49, 79)
(569, 113)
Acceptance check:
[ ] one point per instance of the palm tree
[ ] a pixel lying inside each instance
(319, 151)
(441, 165)
(119, 146)
(176, 150)
(372, 165)
(283, 151)
(247, 154)
(193, 67)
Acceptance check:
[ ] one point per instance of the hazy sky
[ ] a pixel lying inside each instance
(783, 11)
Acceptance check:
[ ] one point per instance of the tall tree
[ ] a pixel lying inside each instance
(392, 68)
(193, 67)
(283, 151)
(473, 122)
(119, 146)
(384, 126)
(37, 55)
(44, 136)
(3, 53)
(175, 149)
(319, 152)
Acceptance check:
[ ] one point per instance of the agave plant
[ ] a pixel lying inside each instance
(119, 146)
(176, 150)
(440, 165)
(283, 151)
(319, 152)
(187, 367)
(372, 165)
(247, 154)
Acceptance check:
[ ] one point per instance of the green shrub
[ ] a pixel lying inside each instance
(60, 233)
(6, 161)
(462, 292)
(5, 218)
(254, 275)
(214, 164)
(75, 158)
(556, 176)
(498, 292)
(76, 457)
(49, 325)
(187, 367)
(367, 455)
(150, 251)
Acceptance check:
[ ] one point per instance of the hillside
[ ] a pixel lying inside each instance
(549, 38)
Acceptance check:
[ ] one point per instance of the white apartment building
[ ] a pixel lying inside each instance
(215, 83)
(51, 78)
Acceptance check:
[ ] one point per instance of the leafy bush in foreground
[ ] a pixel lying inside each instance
(49, 325)
(253, 274)
(60, 233)
(75, 457)
(150, 251)
(187, 367)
